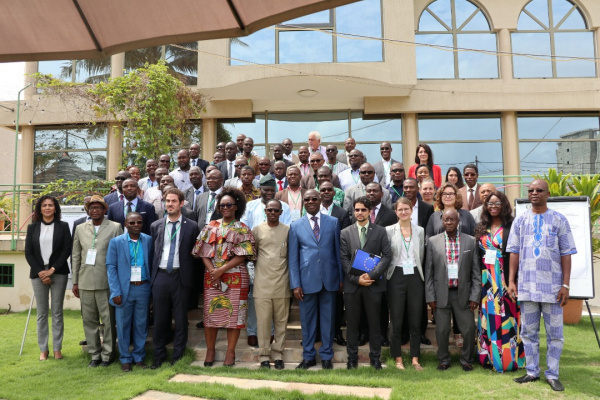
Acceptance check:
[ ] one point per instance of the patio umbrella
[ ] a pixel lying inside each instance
(36, 30)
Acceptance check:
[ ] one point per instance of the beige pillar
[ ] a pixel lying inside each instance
(114, 151)
(597, 41)
(117, 63)
(505, 60)
(410, 133)
(209, 138)
(510, 153)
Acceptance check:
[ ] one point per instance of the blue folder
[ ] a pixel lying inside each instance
(363, 262)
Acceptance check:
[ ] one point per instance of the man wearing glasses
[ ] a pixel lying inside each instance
(117, 195)
(351, 176)
(398, 175)
(271, 285)
(470, 192)
(366, 176)
(332, 162)
(311, 181)
(383, 167)
(316, 276)
(541, 245)
(484, 192)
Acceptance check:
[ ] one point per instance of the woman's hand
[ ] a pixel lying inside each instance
(216, 274)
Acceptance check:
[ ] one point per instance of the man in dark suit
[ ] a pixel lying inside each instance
(195, 160)
(278, 150)
(118, 210)
(453, 285)
(316, 276)
(470, 192)
(380, 213)
(364, 290)
(117, 195)
(192, 193)
(227, 167)
(278, 174)
(310, 181)
(383, 166)
(173, 267)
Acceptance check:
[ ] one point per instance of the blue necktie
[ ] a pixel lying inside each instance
(173, 237)
(196, 195)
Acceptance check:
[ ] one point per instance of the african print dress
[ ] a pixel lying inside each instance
(227, 309)
(499, 343)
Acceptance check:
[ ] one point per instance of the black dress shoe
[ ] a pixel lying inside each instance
(385, 342)
(306, 364)
(425, 340)
(443, 367)
(209, 363)
(376, 364)
(555, 385)
(326, 364)
(252, 341)
(126, 367)
(105, 364)
(467, 367)
(339, 339)
(265, 364)
(174, 361)
(279, 364)
(83, 342)
(527, 379)
(200, 325)
(352, 364)
(94, 363)
(156, 364)
(363, 339)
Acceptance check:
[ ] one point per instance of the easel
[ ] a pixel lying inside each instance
(592, 319)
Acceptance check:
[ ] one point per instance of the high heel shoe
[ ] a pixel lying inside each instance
(232, 363)
(209, 363)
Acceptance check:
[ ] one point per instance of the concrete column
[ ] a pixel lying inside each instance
(410, 138)
(114, 150)
(209, 138)
(510, 153)
(505, 60)
(117, 63)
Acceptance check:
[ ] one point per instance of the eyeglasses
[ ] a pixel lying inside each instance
(264, 164)
(239, 166)
(135, 223)
(367, 172)
(226, 205)
(119, 178)
(448, 194)
(398, 170)
(353, 155)
(311, 199)
(316, 161)
(330, 150)
(385, 148)
(361, 209)
(272, 210)
(494, 204)
(404, 210)
(326, 190)
(536, 190)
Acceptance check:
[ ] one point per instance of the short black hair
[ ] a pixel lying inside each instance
(364, 201)
(471, 166)
(132, 214)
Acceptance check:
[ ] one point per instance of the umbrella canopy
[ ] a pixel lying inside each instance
(36, 30)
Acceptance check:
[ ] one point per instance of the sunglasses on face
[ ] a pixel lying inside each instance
(398, 170)
(226, 205)
(316, 161)
(311, 199)
(536, 190)
(118, 178)
(330, 151)
(353, 155)
(361, 210)
(326, 190)
(385, 148)
(135, 223)
(239, 166)
(272, 210)
(367, 172)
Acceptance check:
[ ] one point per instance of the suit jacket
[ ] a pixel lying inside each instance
(187, 239)
(116, 212)
(111, 198)
(222, 166)
(295, 159)
(425, 212)
(308, 181)
(385, 216)
(61, 249)
(378, 244)
(201, 209)
(285, 183)
(190, 193)
(476, 201)
(342, 216)
(76, 223)
(118, 265)
(287, 163)
(92, 277)
(418, 252)
(314, 265)
(436, 271)
(202, 164)
(380, 171)
(283, 196)
(343, 158)
(358, 190)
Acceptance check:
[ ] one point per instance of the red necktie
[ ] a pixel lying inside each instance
(373, 216)
(120, 197)
(280, 185)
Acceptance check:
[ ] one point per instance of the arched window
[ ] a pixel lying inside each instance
(554, 28)
(453, 24)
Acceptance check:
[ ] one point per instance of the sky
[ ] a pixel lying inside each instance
(11, 80)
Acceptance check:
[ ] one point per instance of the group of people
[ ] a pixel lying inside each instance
(250, 233)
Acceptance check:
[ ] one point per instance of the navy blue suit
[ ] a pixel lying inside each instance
(135, 299)
(316, 267)
(116, 213)
(112, 198)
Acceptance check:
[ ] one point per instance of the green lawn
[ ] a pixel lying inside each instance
(24, 377)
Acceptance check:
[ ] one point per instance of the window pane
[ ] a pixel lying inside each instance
(560, 8)
(434, 63)
(487, 156)
(569, 157)
(257, 48)
(443, 10)
(573, 21)
(429, 24)
(477, 23)
(555, 127)
(361, 18)
(255, 130)
(526, 23)
(370, 130)
(333, 127)
(539, 9)
(575, 44)
(70, 138)
(321, 18)
(372, 152)
(305, 47)
(459, 129)
(463, 10)
(69, 165)
(184, 62)
(531, 43)
(60, 69)
(473, 64)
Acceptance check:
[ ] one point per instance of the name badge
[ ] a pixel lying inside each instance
(408, 268)
(295, 214)
(90, 259)
(453, 271)
(490, 257)
(136, 273)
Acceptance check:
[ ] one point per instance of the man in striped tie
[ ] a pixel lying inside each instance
(316, 276)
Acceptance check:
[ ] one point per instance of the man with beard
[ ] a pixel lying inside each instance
(181, 175)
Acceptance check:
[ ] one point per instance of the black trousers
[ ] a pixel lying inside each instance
(170, 302)
(372, 305)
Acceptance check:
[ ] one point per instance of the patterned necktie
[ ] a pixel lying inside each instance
(173, 237)
(471, 199)
(211, 203)
(316, 227)
(193, 163)
(280, 183)
(128, 207)
(120, 197)
(373, 216)
(363, 236)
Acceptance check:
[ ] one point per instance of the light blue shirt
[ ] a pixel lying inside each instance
(255, 214)
(137, 260)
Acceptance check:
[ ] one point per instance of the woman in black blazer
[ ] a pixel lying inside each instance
(47, 248)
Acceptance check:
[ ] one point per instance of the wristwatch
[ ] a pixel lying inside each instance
(566, 286)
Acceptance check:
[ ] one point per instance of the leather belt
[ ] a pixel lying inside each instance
(138, 283)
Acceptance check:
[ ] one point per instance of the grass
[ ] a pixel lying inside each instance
(24, 377)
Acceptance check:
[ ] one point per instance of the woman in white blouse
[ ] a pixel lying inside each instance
(47, 248)
(405, 285)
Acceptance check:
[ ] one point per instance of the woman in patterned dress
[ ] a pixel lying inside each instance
(224, 246)
(499, 345)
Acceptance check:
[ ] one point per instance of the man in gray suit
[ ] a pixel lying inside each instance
(383, 167)
(364, 289)
(205, 207)
(453, 285)
(367, 175)
(192, 193)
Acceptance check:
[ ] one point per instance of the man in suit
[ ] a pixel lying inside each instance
(383, 167)
(293, 194)
(470, 192)
(117, 195)
(453, 285)
(90, 279)
(398, 175)
(197, 188)
(278, 152)
(227, 167)
(118, 211)
(311, 181)
(172, 277)
(364, 290)
(236, 181)
(195, 160)
(344, 157)
(251, 156)
(367, 175)
(288, 146)
(278, 173)
(316, 276)
(303, 164)
(128, 264)
(205, 206)
(150, 180)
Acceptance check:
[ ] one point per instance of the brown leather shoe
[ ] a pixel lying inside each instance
(141, 364)
(252, 341)
(126, 367)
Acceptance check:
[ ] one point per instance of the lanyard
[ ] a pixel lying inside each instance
(399, 195)
(353, 178)
(297, 199)
(404, 241)
(95, 234)
(172, 235)
(136, 248)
